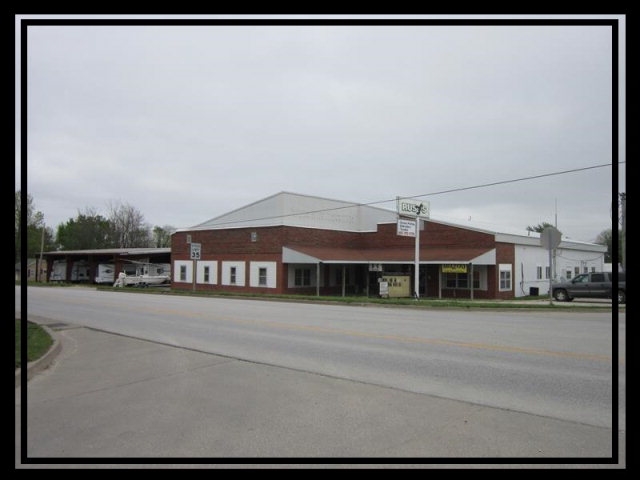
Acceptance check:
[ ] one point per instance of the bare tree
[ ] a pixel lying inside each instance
(162, 235)
(129, 226)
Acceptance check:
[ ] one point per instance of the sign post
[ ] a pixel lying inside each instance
(195, 252)
(417, 209)
(550, 239)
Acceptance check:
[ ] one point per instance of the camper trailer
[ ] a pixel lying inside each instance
(58, 271)
(80, 271)
(105, 273)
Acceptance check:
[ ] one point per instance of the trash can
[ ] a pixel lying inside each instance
(534, 291)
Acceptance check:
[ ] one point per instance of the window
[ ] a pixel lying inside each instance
(539, 273)
(232, 275)
(597, 277)
(505, 277)
(461, 280)
(183, 273)
(254, 236)
(576, 270)
(206, 274)
(568, 274)
(262, 276)
(302, 277)
(547, 272)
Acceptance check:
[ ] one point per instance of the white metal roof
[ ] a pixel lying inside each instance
(294, 209)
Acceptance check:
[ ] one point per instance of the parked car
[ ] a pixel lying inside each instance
(590, 285)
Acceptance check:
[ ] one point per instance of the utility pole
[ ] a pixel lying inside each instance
(623, 204)
(39, 265)
(553, 273)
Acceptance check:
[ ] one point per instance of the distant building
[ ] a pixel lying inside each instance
(299, 244)
(33, 265)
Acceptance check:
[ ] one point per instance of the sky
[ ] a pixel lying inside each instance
(188, 122)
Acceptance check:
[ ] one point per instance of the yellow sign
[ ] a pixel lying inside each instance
(454, 268)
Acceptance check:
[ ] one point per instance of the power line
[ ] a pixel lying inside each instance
(459, 189)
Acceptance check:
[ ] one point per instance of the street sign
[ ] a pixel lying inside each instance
(195, 251)
(550, 238)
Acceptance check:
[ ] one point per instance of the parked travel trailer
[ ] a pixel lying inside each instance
(79, 271)
(105, 273)
(58, 271)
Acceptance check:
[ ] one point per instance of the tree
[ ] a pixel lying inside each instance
(128, 226)
(606, 238)
(540, 227)
(162, 236)
(87, 231)
(33, 226)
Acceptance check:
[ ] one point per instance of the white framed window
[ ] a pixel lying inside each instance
(207, 272)
(539, 272)
(547, 272)
(302, 277)
(183, 271)
(233, 273)
(505, 277)
(262, 274)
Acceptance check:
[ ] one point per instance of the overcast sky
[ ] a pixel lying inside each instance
(188, 122)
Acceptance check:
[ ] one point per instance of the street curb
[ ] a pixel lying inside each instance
(44, 361)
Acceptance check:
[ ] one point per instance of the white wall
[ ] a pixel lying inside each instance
(176, 271)
(226, 273)
(254, 274)
(213, 271)
(528, 258)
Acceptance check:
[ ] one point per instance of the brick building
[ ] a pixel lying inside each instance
(299, 244)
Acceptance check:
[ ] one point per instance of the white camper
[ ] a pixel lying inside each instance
(58, 271)
(105, 273)
(80, 271)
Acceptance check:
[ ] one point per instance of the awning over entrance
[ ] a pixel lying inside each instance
(428, 255)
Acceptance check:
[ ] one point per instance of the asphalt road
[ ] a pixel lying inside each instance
(281, 380)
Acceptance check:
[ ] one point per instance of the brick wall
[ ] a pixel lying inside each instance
(238, 244)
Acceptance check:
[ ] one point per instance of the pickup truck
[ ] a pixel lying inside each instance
(590, 285)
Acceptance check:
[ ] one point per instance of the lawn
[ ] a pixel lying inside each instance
(38, 342)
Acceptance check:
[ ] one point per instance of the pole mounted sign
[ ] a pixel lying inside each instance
(413, 208)
(550, 238)
(418, 209)
(406, 228)
(195, 251)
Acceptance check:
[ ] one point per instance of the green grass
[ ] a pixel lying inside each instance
(516, 303)
(38, 342)
(425, 302)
